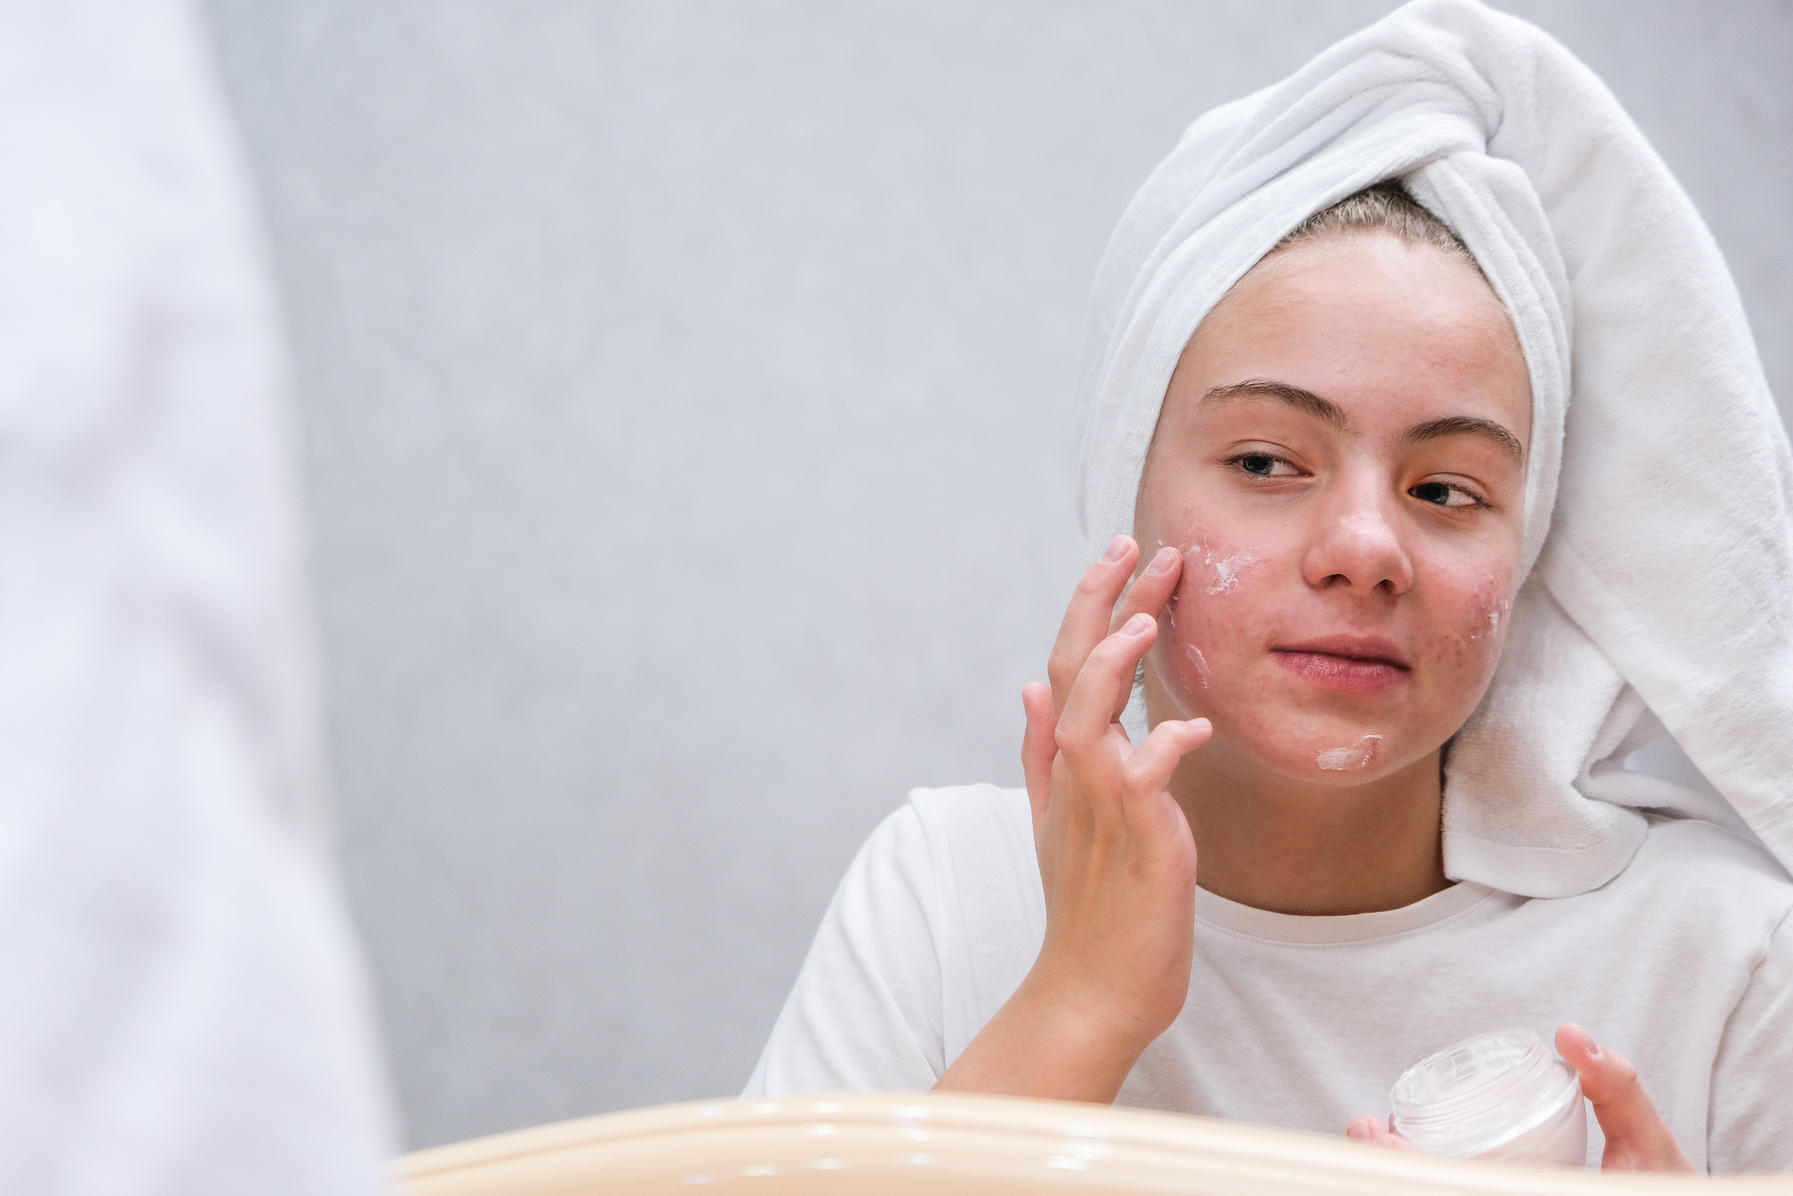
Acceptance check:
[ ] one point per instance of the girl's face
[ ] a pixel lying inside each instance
(1341, 461)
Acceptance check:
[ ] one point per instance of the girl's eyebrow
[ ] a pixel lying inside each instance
(1326, 410)
(1468, 425)
(1302, 400)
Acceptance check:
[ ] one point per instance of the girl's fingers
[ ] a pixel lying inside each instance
(1147, 771)
(1371, 1130)
(1151, 589)
(1086, 618)
(1038, 746)
(1087, 712)
(1637, 1138)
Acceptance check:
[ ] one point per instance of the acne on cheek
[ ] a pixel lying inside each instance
(1474, 644)
(1492, 608)
(1488, 614)
(1214, 570)
(1210, 585)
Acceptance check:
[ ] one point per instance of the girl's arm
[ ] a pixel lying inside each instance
(1116, 857)
(1752, 1102)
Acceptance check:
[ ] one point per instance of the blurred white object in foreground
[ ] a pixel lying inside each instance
(181, 1004)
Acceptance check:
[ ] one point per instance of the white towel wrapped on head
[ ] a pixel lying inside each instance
(1657, 560)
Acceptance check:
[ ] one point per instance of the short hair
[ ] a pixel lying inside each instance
(1385, 207)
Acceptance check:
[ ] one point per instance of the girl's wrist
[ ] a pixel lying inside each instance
(1111, 1016)
(1084, 1032)
(1042, 1044)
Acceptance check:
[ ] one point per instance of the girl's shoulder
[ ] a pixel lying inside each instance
(960, 853)
(1694, 854)
(981, 816)
(975, 843)
(979, 843)
(1705, 877)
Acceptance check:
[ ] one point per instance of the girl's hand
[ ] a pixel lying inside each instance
(1637, 1138)
(1116, 857)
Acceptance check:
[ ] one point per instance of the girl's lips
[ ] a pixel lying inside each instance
(1364, 677)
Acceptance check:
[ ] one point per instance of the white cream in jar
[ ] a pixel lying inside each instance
(1500, 1097)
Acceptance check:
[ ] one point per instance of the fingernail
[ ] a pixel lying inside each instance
(1116, 550)
(1201, 724)
(1161, 563)
(1137, 624)
(1357, 1131)
(1587, 1040)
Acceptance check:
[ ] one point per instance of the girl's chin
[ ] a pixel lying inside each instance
(1287, 740)
(1342, 756)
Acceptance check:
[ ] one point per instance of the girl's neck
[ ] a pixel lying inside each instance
(1294, 847)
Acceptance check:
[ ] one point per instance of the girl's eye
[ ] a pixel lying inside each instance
(1445, 495)
(1263, 465)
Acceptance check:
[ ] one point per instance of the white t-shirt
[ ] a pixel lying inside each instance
(1683, 962)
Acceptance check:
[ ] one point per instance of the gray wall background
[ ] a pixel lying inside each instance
(686, 392)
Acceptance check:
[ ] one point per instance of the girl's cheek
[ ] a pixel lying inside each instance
(1180, 657)
(1210, 609)
(1478, 628)
(1216, 568)
(1489, 611)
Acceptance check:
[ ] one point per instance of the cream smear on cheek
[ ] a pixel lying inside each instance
(1190, 652)
(1222, 570)
(1493, 614)
(1201, 663)
(1207, 569)
(1491, 611)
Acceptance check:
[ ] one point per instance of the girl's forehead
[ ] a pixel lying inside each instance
(1366, 323)
(1346, 270)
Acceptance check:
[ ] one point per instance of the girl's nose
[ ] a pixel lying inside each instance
(1357, 544)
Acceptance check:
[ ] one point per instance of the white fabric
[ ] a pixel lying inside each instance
(181, 1006)
(1684, 962)
(1657, 502)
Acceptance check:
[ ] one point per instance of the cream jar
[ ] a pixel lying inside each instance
(1498, 1097)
